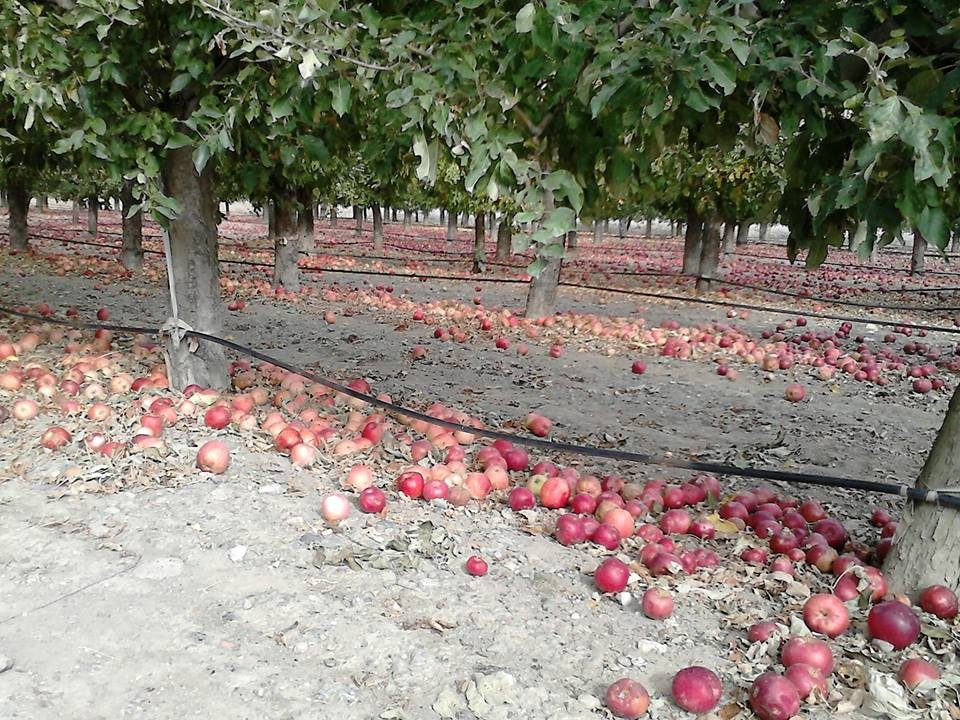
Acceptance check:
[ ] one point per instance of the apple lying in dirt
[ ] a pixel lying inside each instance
(696, 689)
(627, 699)
(774, 697)
(915, 671)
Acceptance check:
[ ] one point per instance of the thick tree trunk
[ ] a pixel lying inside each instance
(75, 211)
(916, 257)
(131, 254)
(196, 272)
(505, 238)
(93, 212)
(358, 218)
(709, 254)
(305, 217)
(407, 220)
(729, 238)
(743, 233)
(479, 243)
(693, 243)
(648, 230)
(451, 226)
(764, 229)
(377, 229)
(19, 202)
(286, 271)
(393, 215)
(542, 294)
(926, 548)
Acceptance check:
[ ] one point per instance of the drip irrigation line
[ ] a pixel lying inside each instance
(942, 498)
(774, 310)
(631, 292)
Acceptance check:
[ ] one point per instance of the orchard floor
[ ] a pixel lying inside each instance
(195, 596)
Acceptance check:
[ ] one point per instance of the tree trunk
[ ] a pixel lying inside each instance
(709, 254)
(597, 231)
(333, 216)
(505, 238)
(305, 217)
(377, 229)
(75, 211)
(764, 229)
(692, 243)
(743, 233)
(93, 211)
(479, 243)
(19, 201)
(270, 210)
(196, 272)
(226, 210)
(542, 293)
(407, 220)
(673, 228)
(624, 227)
(286, 271)
(393, 215)
(916, 257)
(443, 216)
(606, 227)
(451, 226)
(466, 220)
(648, 230)
(729, 238)
(927, 545)
(358, 218)
(572, 240)
(131, 254)
(955, 241)
(43, 203)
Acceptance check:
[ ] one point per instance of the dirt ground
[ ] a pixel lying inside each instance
(187, 595)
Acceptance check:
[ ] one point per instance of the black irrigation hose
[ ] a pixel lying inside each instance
(942, 498)
(643, 273)
(621, 291)
(760, 308)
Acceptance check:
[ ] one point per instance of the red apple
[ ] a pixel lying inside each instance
(627, 699)
(825, 613)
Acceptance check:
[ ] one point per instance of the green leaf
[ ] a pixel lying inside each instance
(884, 119)
(564, 181)
(806, 86)
(934, 225)
(537, 267)
(525, 17)
(201, 156)
(178, 140)
(428, 154)
(722, 73)
(341, 97)
(180, 82)
(309, 64)
(98, 125)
